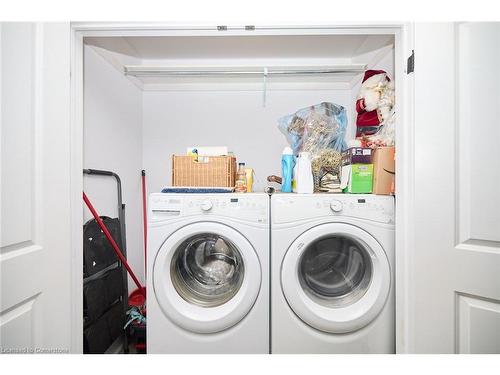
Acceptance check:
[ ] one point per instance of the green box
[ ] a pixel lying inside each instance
(360, 178)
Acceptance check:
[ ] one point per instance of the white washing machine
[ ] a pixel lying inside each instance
(208, 273)
(332, 267)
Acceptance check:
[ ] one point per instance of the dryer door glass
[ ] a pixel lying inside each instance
(335, 270)
(207, 270)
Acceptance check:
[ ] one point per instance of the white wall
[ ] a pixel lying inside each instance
(113, 141)
(174, 120)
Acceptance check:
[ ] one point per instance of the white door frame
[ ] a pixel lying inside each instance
(404, 139)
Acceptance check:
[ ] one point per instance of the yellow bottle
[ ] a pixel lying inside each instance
(249, 176)
(194, 154)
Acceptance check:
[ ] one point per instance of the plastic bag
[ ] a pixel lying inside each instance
(319, 130)
(326, 171)
(315, 128)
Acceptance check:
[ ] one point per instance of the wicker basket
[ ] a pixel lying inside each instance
(208, 171)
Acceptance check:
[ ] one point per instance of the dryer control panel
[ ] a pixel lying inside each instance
(287, 208)
(244, 207)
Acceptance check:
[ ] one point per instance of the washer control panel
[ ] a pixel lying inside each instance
(246, 207)
(295, 207)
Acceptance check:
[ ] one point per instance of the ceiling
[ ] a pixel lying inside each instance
(233, 52)
(243, 47)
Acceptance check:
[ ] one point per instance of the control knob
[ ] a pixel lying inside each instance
(336, 206)
(206, 205)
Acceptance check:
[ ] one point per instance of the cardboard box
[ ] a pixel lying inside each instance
(357, 178)
(384, 170)
(357, 155)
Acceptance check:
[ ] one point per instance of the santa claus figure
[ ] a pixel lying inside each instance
(375, 102)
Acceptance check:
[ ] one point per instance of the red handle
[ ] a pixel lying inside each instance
(113, 243)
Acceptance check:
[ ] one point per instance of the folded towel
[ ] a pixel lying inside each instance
(196, 190)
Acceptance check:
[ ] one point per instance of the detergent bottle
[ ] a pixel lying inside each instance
(304, 176)
(287, 164)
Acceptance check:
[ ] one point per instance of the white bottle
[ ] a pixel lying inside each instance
(304, 177)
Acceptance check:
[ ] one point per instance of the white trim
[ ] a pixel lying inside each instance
(38, 130)
(405, 160)
(167, 29)
(76, 186)
(405, 167)
(39, 164)
(463, 151)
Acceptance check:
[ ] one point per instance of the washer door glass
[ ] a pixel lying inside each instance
(336, 277)
(207, 270)
(335, 270)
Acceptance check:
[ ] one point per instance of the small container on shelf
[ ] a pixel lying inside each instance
(249, 179)
(304, 176)
(287, 166)
(241, 179)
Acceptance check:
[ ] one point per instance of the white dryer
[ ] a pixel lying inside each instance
(208, 283)
(332, 267)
